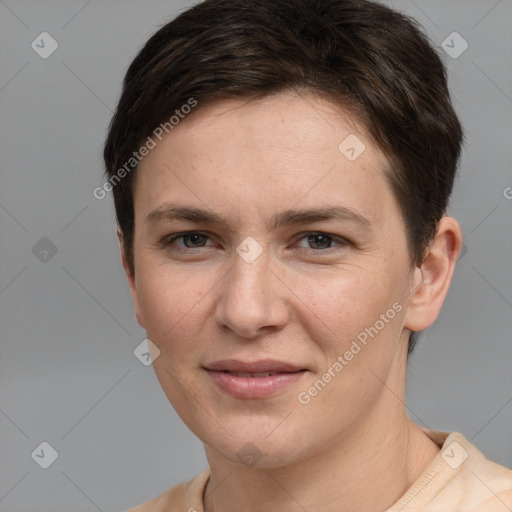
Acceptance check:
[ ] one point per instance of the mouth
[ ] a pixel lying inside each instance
(253, 380)
(253, 367)
(258, 375)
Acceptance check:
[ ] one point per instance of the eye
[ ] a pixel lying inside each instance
(319, 241)
(191, 240)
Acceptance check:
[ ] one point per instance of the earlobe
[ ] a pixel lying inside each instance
(433, 277)
(131, 280)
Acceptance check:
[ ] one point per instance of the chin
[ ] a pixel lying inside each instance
(259, 448)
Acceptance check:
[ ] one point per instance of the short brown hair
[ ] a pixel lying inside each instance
(371, 60)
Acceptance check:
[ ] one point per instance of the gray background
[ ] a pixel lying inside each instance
(68, 373)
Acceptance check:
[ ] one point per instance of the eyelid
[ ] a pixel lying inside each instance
(168, 239)
(341, 241)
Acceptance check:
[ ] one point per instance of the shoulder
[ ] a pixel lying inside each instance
(459, 479)
(174, 496)
(183, 497)
(491, 484)
(477, 484)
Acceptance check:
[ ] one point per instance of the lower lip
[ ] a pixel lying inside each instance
(253, 387)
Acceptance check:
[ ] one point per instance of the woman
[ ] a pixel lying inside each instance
(281, 172)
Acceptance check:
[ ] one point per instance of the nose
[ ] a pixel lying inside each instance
(253, 299)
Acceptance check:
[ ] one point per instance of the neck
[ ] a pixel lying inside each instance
(368, 469)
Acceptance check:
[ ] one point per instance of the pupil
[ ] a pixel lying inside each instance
(195, 238)
(319, 239)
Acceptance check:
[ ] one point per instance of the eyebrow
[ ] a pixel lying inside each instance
(169, 212)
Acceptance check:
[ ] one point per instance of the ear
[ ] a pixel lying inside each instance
(131, 281)
(432, 278)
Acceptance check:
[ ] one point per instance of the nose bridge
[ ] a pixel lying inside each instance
(249, 273)
(249, 299)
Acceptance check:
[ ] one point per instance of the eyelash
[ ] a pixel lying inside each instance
(168, 240)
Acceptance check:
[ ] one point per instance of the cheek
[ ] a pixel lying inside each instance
(172, 303)
(357, 317)
(355, 325)
(345, 302)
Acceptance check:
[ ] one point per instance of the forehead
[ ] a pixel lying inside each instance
(279, 149)
(284, 122)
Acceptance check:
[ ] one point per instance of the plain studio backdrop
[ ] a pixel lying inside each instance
(69, 376)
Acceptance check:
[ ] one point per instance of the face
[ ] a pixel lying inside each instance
(259, 239)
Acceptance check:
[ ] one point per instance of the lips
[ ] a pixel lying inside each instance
(252, 380)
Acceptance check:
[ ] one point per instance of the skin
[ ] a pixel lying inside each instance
(302, 301)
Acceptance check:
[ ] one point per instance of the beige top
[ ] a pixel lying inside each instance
(459, 479)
